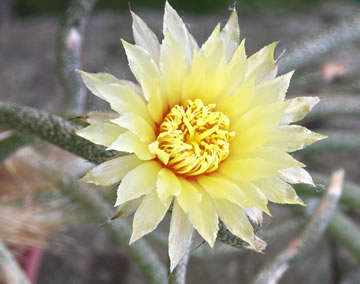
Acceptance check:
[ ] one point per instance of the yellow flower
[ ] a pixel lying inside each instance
(208, 130)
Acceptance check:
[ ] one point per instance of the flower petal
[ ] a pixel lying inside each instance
(101, 133)
(272, 91)
(92, 81)
(148, 216)
(291, 138)
(202, 214)
(112, 171)
(234, 72)
(278, 191)
(147, 74)
(260, 117)
(205, 80)
(130, 143)
(137, 125)
(230, 35)
(264, 162)
(127, 208)
(178, 30)
(220, 187)
(145, 37)
(167, 184)
(124, 99)
(99, 116)
(255, 215)
(179, 236)
(235, 220)
(242, 99)
(298, 108)
(137, 182)
(120, 94)
(189, 197)
(256, 127)
(296, 175)
(261, 64)
(173, 68)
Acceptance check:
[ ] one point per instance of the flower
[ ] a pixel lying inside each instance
(207, 130)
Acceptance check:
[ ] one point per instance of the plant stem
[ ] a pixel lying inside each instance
(11, 144)
(69, 52)
(346, 231)
(304, 52)
(51, 128)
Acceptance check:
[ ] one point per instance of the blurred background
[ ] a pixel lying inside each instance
(57, 240)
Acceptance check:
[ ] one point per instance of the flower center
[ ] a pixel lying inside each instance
(193, 139)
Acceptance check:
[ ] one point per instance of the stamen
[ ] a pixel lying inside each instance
(195, 138)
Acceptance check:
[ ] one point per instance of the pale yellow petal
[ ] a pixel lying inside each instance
(173, 68)
(124, 99)
(291, 138)
(278, 191)
(140, 63)
(99, 116)
(207, 77)
(298, 108)
(127, 208)
(192, 87)
(235, 220)
(256, 127)
(248, 169)
(145, 37)
(189, 197)
(167, 184)
(137, 125)
(119, 93)
(230, 35)
(261, 117)
(148, 215)
(220, 187)
(110, 172)
(261, 64)
(130, 143)
(179, 235)
(273, 155)
(139, 181)
(93, 80)
(201, 213)
(101, 133)
(255, 215)
(212, 46)
(242, 99)
(254, 195)
(272, 91)
(233, 74)
(147, 74)
(174, 24)
(264, 162)
(296, 175)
